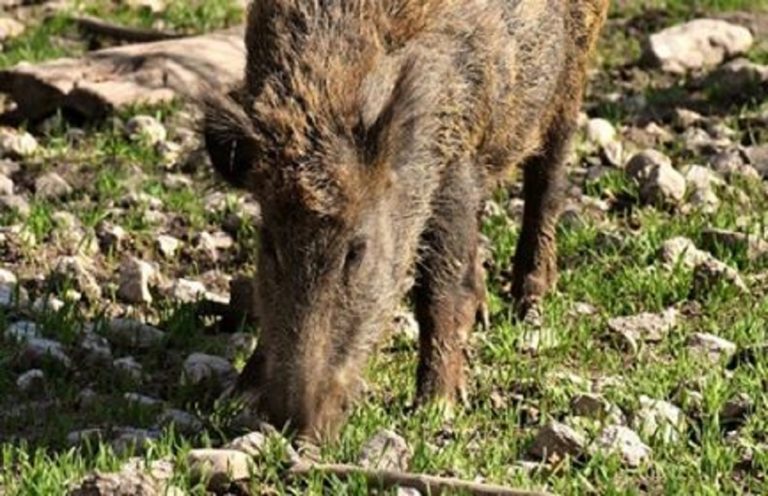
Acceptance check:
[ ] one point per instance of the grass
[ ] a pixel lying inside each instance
(513, 392)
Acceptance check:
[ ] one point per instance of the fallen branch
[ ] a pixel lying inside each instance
(426, 484)
(100, 27)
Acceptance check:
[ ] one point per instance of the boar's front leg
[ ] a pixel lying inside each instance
(449, 289)
(535, 263)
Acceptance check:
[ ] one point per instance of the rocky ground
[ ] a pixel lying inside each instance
(645, 374)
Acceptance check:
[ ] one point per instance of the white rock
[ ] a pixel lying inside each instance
(31, 381)
(15, 203)
(624, 442)
(10, 28)
(133, 334)
(683, 251)
(7, 277)
(386, 450)
(712, 273)
(37, 351)
(697, 44)
(253, 444)
(77, 270)
(181, 421)
(240, 344)
(96, 347)
(147, 129)
(111, 236)
(22, 330)
(664, 185)
(219, 465)
(405, 324)
(47, 304)
(187, 291)
(14, 143)
(600, 132)
(135, 278)
(167, 245)
(659, 419)
(713, 347)
(643, 327)
(199, 367)
(6, 185)
(52, 186)
(642, 163)
(142, 400)
(129, 367)
(595, 406)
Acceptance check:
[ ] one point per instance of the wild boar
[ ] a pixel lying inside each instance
(371, 131)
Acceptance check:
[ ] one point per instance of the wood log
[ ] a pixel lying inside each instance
(103, 81)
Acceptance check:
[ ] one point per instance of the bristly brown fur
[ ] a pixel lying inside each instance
(371, 131)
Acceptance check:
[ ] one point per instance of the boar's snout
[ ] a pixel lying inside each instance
(299, 391)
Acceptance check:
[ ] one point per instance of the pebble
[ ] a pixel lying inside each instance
(385, 450)
(199, 367)
(31, 381)
(643, 327)
(147, 129)
(712, 347)
(220, 466)
(557, 440)
(625, 443)
(133, 334)
(658, 419)
(129, 367)
(135, 278)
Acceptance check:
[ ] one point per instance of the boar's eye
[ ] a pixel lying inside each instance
(355, 253)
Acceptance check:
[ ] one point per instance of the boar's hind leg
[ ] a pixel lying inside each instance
(535, 263)
(449, 290)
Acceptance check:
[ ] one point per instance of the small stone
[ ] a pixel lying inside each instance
(641, 164)
(142, 400)
(220, 466)
(644, 327)
(129, 439)
(536, 339)
(683, 251)
(129, 367)
(240, 344)
(15, 203)
(755, 247)
(625, 443)
(116, 484)
(686, 118)
(133, 334)
(664, 186)
(31, 381)
(736, 410)
(199, 367)
(47, 304)
(252, 444)
(697, 44)
(7, 277)
(22, 330)
(600, 132)
(699, 142)
(737, 78)
(135, 277)
(659, 419)
(557, 440)
(712, 347)
(10, 28)
(187, 291)
(97, 349)
(167, 245)
(36, 352)
(177, 182)
(712, 273)
(86, 398)
(52, 186)
(16, 144)
(212, 243)
(595, 406)
(731, 163)
(406, 325)
(75, 438)
(146, 129)
(6, 185)
(76, 270)
(154, 6)
(182, 421)
(111, 236)
(386, 450)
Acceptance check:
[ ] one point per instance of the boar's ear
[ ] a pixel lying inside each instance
(397, 102)
(229, 138)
